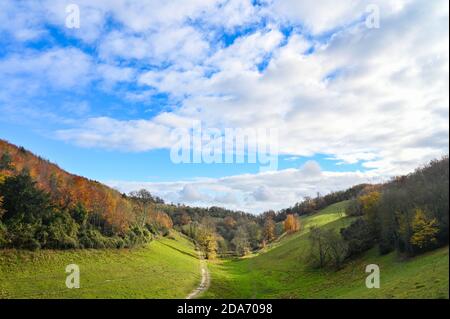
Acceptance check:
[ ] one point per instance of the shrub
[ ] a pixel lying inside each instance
(3, 234)
(22, 235)
(91, 238)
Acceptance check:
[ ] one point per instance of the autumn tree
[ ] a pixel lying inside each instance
(369, 204)
(162, 220)
(229, 221)
(291, 224)
(143, 201)
(185, 219)
(424, 230)
(269, 230)
(207, 242)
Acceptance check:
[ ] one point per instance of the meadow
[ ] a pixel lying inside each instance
(165, 268)
(282, 270)
(168, 267)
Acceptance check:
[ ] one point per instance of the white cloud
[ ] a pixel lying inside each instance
(62, 68)
(191, 194)
(253, 193)
(134, 135)
(263, 194)
(373, 95)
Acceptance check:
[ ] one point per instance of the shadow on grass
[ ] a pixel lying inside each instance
(179, 250)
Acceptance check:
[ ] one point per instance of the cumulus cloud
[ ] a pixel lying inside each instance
(191, 194)
(134, 135)
(253, 193)
(370, 95)
(263, 194)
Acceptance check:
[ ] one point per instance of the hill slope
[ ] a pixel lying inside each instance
(165, 268)
(67, 189)
(282, 271)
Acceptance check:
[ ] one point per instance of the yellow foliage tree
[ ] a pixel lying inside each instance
(291, 224)
(208, 242)
(369, 203)
(269, 230)
(424, 230)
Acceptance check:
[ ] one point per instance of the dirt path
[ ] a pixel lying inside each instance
(204, 284)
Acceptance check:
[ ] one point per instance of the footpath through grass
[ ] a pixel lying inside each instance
(165, 268)
(282, 271)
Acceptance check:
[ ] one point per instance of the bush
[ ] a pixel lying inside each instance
(137, 236)
(59, 232)
(21, 235)
(91, 238)
(3, 234)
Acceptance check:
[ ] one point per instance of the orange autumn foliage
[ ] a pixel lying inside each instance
(291, 224)
(67, 190)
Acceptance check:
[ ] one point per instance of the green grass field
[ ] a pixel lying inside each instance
(165, 268)
(169, 268)
(281, 271)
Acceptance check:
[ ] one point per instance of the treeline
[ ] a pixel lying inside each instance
(29, 219)
(409, 215)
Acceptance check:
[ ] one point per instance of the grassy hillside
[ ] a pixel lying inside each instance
(282, 271)
(165, 268)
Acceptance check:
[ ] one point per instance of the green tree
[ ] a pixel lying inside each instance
(358, 236)
(6, 162)
(22, 200)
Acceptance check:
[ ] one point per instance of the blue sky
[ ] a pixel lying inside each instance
(351, 102)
